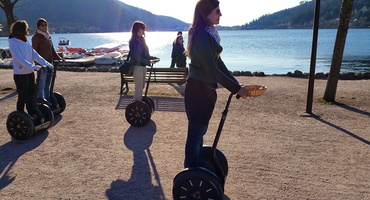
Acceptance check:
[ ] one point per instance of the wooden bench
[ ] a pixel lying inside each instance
(159, 75)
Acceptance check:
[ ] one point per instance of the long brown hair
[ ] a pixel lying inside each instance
(135, 28)
(202, 9)
(19, 28)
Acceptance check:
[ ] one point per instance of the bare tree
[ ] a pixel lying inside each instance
(344, 19)
(8, 6)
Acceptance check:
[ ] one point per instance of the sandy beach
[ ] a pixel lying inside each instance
(274, 149)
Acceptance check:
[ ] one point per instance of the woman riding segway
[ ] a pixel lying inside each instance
(21, 125)
(139, 112)
(41, 42)
(206, 71)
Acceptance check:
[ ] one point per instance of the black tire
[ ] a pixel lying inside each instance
(150, 102)
(20, 125)
(61, 102)
(138, 113)
(210, 164)
(197, 183)
(47, 114)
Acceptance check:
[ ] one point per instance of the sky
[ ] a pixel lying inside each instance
(234, 12)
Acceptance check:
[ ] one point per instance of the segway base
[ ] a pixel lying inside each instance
(20, 125)
(217, 164)
(197, 183)
(148, 100)
(138, 113)
(59, 100)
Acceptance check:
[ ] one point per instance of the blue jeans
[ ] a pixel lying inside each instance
(44, 84)
(200, 100)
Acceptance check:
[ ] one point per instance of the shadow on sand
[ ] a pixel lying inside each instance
(139, 185)
(11, 151)
(340, 129)
(352, 109)
(9, 96)
(169, 104)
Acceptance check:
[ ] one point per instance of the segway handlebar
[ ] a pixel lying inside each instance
(154, 60)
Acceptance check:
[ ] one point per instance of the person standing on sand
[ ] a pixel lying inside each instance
(206, 70)
(23, 65)
(178, 53)
(139, 57)
(41, 42)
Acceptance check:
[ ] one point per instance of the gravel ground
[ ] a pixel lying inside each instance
(274, 149)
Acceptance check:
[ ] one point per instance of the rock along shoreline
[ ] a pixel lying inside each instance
(296, 73)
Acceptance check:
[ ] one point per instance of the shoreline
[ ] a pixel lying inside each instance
(296, 73)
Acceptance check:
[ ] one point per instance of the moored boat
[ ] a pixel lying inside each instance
(110, 58)
(63, 41)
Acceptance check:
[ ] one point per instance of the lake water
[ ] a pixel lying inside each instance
(269, 51)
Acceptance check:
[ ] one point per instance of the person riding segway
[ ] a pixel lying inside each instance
(57, 102)
(138, 113)
(208, 180)
(21, 125)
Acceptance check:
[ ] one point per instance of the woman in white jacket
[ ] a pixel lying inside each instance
(23, 65)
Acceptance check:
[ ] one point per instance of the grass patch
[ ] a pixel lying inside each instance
(325, 102)
(331, 103)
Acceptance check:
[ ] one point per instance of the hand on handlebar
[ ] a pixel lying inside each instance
(37, 69)
(154, 60)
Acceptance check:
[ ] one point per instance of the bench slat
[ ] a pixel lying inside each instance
(159, 75)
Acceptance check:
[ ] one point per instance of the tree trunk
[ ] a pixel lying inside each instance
(344, 18)
(8, 6)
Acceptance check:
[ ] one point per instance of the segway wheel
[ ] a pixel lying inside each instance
(138, 113)
(20, 125)
(61, 103)
(210, 164)
(150, 102)
(47, 114)
(197, 183)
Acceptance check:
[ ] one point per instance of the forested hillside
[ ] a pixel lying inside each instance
(81, 16)
(86, 16)
(302, 16)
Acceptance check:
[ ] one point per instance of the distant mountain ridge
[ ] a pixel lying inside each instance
(302, 16)
(84, 16)
(98, 16)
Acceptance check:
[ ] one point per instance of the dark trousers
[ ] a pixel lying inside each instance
(200, 99)
(25, 84)
(180, 63)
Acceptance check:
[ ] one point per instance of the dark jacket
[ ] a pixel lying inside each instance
(139, 52)
(44, 47)
(207, 65)
(178, 55)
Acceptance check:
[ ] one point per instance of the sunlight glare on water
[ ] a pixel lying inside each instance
(159, 42)
(269, 51)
